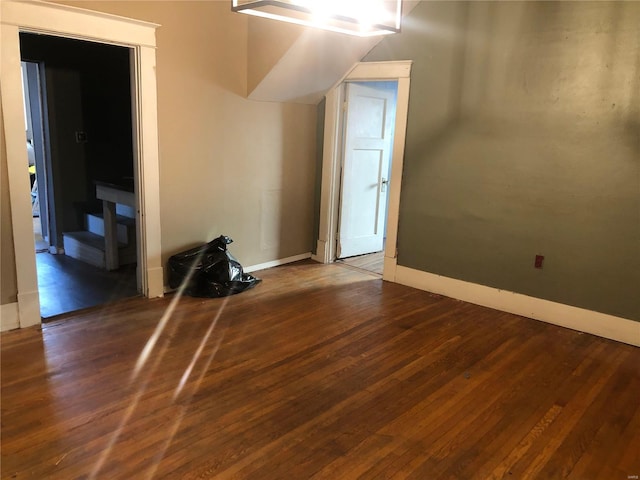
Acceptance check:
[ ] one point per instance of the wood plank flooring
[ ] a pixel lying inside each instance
(320, 372)
(66, 284)
(372, 262)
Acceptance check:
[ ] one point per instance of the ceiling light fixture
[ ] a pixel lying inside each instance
(363, 18)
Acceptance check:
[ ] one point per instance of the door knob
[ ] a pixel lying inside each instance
(384, 185)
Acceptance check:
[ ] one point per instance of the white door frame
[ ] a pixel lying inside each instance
(71, 22)
(331, 159)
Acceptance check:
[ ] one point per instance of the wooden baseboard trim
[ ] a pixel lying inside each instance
(601, 324)
(276, 263)
(9, 317)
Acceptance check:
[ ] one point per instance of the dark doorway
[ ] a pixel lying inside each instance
(78, 101)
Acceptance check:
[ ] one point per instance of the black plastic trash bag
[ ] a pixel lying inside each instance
(216, 273)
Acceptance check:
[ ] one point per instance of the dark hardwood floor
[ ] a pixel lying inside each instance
(66, 284)
(319, 372)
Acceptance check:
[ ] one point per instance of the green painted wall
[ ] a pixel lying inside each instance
(524, 138)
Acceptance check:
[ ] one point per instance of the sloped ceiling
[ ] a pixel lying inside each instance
(290, 63)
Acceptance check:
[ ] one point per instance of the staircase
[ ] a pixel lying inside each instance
(89, 245)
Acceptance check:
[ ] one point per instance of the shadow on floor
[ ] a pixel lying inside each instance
(66, 284)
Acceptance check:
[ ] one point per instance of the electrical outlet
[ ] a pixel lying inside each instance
(538, 262)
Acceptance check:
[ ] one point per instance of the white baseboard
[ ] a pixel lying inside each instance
(155, 282)
(9, 317)
(389, 269)
(29, 309)
(322, 252)
(596, 323)
(275, 263)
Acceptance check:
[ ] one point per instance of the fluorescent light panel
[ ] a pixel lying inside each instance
(363, 18)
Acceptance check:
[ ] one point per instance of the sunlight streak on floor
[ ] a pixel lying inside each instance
(145, 354)
(198, 352)
(125, 419)
(153, 339)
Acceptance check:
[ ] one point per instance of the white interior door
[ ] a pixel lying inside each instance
(368, 140)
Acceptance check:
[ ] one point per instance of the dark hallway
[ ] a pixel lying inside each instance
(80, 102)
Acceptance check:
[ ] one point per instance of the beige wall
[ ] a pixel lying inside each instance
(8, 282)
(227, 165)
(523, 139)
(267, 43)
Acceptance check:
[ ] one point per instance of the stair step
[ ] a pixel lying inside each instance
(126, 211)
(89, 248)
(126, 227)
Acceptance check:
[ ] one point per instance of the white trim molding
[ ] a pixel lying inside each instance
(155, 279)
(596, 323)
(262, 266)
(53, 19)
(9, 317)
(331, 157)
(74, 22)
(277, 263)
(28, 308)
